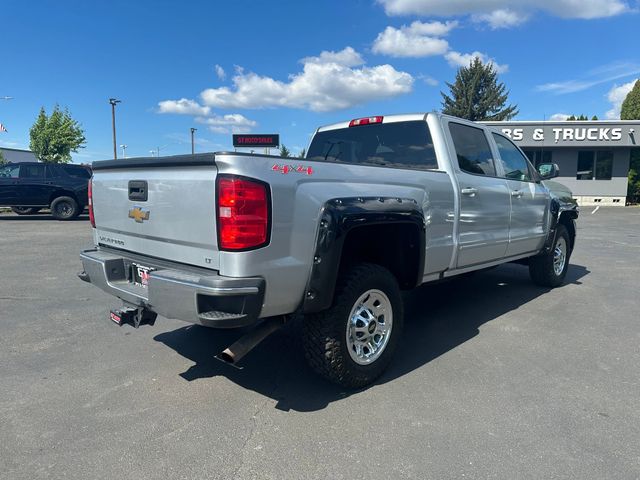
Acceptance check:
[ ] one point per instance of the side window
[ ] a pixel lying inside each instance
(514, 163)
(79, 172)
(31, 171)
(52, 171)
(10, 171)
(472, 149)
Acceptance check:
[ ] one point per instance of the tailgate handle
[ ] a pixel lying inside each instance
(138, 190)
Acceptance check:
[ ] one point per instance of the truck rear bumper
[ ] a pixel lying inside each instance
(175, 291)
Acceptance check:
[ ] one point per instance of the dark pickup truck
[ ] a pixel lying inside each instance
(31, 186)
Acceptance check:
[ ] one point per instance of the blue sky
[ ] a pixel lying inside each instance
(289, 66)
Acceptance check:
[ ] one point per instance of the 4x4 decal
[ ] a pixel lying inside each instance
(284, 169)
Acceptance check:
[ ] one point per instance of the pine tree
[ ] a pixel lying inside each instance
(284, 151)
(572, 118)
(594, 118)
(631, 105)
(477, 95)
(303, 153)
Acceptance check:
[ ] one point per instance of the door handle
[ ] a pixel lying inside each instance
(469, 191)
(516, 193)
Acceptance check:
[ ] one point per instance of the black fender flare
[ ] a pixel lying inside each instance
(556, 211)
(338, 217)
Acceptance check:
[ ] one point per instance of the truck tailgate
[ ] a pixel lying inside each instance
(177, 219)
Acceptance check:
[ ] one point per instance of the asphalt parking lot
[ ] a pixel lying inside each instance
(497, 378)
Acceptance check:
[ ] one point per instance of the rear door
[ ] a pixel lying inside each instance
(9, 184)
(32, 189)
(529, 199)
(483, 229)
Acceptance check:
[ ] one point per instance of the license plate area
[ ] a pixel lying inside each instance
(139, 274)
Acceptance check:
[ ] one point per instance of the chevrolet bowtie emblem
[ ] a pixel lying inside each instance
(138, 214)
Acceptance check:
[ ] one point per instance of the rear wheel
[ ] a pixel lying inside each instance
(549, 270)
(64, 208)
(353, 342)
(25, 210)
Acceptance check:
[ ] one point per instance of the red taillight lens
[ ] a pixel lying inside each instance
(243, 213)
(365, 121)
(92, 218)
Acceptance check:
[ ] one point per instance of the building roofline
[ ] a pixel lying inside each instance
(15, 149)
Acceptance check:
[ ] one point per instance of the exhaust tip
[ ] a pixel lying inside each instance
(227, 358)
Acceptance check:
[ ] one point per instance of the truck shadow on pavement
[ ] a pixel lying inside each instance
(438, 318)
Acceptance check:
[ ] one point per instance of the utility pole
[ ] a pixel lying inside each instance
(124, 148)
(113, 102)
(193, 144)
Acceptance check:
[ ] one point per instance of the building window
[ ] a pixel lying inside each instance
(595, 165)
(536, 157)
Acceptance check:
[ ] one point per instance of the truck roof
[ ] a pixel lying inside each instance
(403, 117)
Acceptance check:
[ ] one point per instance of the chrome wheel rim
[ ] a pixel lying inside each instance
(369, 327)
(559, 256)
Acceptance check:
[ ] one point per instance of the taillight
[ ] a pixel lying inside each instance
(365, 121)
(92, 218)
(243, 213)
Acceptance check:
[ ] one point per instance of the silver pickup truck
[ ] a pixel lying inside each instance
(379, 205)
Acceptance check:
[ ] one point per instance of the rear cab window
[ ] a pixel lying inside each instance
(395, 144)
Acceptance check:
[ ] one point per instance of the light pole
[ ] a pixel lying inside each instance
(152, 152)
(124, 148)
(113, 102)
(193, 143)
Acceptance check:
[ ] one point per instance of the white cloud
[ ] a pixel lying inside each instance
(501, 18)
(603, 74)
(327, 82)
(230, 123)
(616, 96)
(416, 40)
(457, 59)
(429, 80)
(347, 57)
(559, 117)
(220, 72)
(183, 106)
(560, 8)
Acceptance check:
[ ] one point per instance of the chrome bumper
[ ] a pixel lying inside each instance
(175, 291)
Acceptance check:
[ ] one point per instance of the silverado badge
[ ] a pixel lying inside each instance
(138, 214)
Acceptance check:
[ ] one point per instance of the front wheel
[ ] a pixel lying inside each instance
(64, 208)
(549, 270)
(353, 342)
(25, 210)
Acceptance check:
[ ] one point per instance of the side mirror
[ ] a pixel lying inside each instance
(548, 170)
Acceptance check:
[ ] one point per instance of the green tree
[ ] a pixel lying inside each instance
(303, 153)
(631, 105)
(54, 137)
(3, 160)
(284, 151)
(594, 118)
(633, 187)
(477, 95)
(572, 118)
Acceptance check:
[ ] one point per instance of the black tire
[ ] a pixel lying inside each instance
(64, 208)
(542, 268)
(325, 333)
(25, 210)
